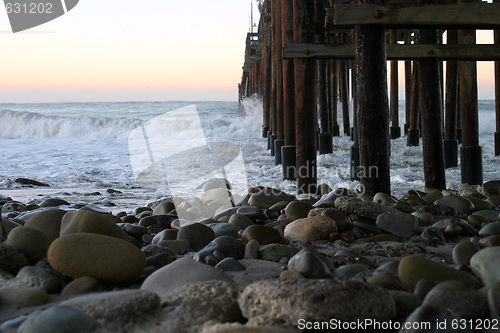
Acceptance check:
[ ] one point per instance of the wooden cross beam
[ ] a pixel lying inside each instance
(453, 16)
(458, 52)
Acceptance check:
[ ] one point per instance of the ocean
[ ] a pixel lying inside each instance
(149, 150)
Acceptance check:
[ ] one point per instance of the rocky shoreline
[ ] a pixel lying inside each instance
(271, 263)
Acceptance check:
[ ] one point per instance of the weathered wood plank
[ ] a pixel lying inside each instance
(480, 52)
(464, 15)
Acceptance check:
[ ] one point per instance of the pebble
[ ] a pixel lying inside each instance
(86, 221)
(225, 229)
(82, 285)
(490, 215)
(37, 277)
(486, 265)
(311, 264)
(425, 219)
(463, 252)
(277, 252)
(116, 306)
(268, 197)
(58, 319)
(406, 303)
(31, 242)
(292, 300)
(342, 221)
(490, 241)
(349, 271)
(439, 320)
(11, 260)
(491, 229)
(197, 234)
(241, 221)
(297, 210)
(22, 295)
(413, 268)
(386, 280)
(164, 235)
(179, 273)
(178, 246)
(432, 196)
(310, 229)
(463, 301)
(352, 205)
(105, 258)
(163, 208)
(492, 187)
(383, 199)
(48, 221)
(161, 220)
(252, 249)
(204, 301)
(230, 265)
(159, 260)
(264, 235)
(229, 246)
(460, 204)
(252, 212)
(399, 224)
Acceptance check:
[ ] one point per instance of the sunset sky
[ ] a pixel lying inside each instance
(115, 50)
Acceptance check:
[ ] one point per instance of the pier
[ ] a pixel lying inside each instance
(309, 54)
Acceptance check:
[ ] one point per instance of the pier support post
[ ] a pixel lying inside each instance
(305, 99)
(470, 154)
(335, 128)
(264, 39)
(414, 131)
(278, 59)
(408, 85)
(497, 95)
(288, 151)
(344, 95)
(373, 108)
(431, 109)
(394, 105)
(450, 129)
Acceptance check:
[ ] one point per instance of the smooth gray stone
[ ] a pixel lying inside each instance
(58, 319)
(38, 277)
(311, 264)
(399, 224)
(463, 252)
(438, 319)
(491, 229)
(230, 265)
(197, 234)
(225, 229)
(229, 246)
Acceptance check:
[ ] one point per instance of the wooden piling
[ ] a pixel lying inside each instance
(394, 105)
(470, 153)
(414, 131)
(264, 36)
(288, 151)
(430, 101)
(344, 95)
(497, 95)
(450, 133)
(408, 84)
(373, 108)
(305, 99)
(278, 58)
(333, 97)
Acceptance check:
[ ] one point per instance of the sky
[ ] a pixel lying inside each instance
(148, 50)
(115, 50)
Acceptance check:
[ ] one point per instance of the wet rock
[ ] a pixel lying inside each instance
(11, 260)
(32, 182)
(492, 187)
(31, 242)
(491, 229)
(163, 208)
(159, 260)
(490, 215)
(425, 219)
(48, 221)
(459, 299)
(58, 319)
(167, 234)
(82, 285)
(116, 306)
(105, 258)
(197, 234)
(463, 252)
(176, 245)
(252, 212)
(310, 229)
(489, 241)
(413, 268)
(383, 199)
(161, 220)
(36, 277)
(399, 224)
(53, 202)
(342, 221)
(229, 246)
(268, 197)
(252, 249)
(180, 273)
(225, 229)
(311, 264)
(85, 221)
(486, 265)
(263, 234)
(292, 300)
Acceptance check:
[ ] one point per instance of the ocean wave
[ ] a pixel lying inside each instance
(23, 124)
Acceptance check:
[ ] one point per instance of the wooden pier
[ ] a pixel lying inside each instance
(306, 52)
